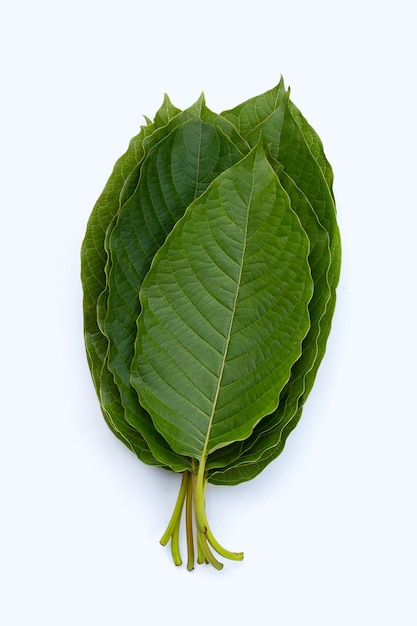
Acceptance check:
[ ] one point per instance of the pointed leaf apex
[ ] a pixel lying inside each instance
(201, 101)
(167, 100)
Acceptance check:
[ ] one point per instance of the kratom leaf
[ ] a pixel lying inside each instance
(319, 256)
(176, 170)
(224, 312)
(93, 253)
(294, 154)
(93, 262)
(313, 143)
(250, 116)
(113, 413)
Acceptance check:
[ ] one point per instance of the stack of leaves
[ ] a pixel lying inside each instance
(209, 269)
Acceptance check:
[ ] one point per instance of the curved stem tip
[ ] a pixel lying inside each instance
(192, 492)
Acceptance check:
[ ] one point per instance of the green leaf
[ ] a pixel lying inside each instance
(175, 171)
(250, 116)
(224, 311)
(313, 143)
(311, 198)
(93, 261)
(163, 116)
(93, 254)
(113, 413)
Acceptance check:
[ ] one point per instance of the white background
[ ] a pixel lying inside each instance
(328, 529)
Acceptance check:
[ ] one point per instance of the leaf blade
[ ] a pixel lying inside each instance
(93, 278)
(181, 161)
(198, 320)
(306, 180)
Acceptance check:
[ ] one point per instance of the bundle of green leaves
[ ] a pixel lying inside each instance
(209, 270)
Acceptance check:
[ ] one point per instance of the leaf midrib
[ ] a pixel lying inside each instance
(229, 333)
(197, 175)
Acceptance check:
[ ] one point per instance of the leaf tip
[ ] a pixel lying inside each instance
(167, 100)
(202, 99)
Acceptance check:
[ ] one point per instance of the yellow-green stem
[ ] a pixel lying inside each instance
(176, 516)
(189, 523)
(201, 518)
(193, 493)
